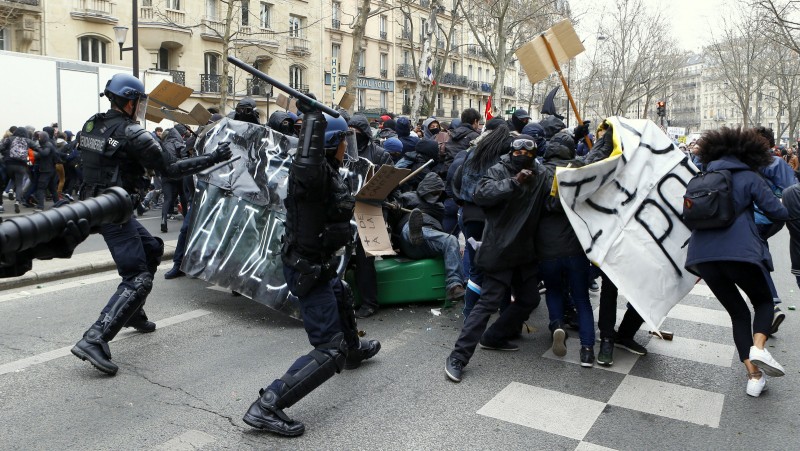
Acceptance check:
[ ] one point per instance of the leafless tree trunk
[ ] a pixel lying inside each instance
(441, 66)
(424, 62)
(359, 27)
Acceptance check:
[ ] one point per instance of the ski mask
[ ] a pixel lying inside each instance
(523, 150)
(362, 140)
(431, 197)
(434, 131)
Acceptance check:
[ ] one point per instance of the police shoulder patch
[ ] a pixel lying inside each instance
(88, 127)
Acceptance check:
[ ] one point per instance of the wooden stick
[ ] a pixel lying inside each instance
(566, 87)
(419, 169)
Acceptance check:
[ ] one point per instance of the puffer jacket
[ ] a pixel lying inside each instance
(740, 242)
(512, 214)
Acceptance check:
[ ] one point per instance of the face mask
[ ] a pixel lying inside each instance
(430, 198)
(362, 140)
(521, 162)
(434, 131)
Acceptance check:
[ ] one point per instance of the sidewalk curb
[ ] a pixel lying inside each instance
(33, 277)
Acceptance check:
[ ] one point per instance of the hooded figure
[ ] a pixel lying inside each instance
(281, 122)
(536, 131)
(388, 131)
(394, 147)
(366, 147)
(551, 126)
(430, 128)
(404, 133)
(519, 120)
(426, 150)
(246, 111)
(426, 199)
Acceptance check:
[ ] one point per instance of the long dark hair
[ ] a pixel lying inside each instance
(748, 145)
(490, 148)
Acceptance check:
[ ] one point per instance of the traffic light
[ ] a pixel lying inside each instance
(661, 108)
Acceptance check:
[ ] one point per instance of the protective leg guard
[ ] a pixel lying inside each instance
(263, 414)
(140, 322)
(93, 348)
(358, 349)
(127, 304)
(325, 361)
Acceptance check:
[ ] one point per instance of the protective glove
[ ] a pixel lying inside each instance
(222, 152)
(581, 131)
(63, 245)
(304, 107)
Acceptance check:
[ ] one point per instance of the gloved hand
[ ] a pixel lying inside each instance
(63, 245)
(222, 153)
(304, 107)
(581, 131)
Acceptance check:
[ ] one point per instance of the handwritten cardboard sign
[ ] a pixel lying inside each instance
(535, 59)
(372, 231)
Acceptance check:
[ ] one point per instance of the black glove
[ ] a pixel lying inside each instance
(63, 245)
(304, 107)
(222, 153)
(580, 131)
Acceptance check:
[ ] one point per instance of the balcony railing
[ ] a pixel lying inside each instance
(336, 24)
(362, 70)
(299, 87)
(213, 28)
(171, 16)
(384, 35)
(384, 73)
(455, 113)
(486, 87)
(454, 80)
(100, 11)
(474, 85)
(257, 87)
(297, 45)
(212, 83)
(405, 34)
(178, 76)
(257, 35)
(405, 71)
(509, 91)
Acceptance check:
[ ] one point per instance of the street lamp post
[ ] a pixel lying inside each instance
(120, 33)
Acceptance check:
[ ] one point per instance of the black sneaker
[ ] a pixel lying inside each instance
(559, 342)
(174, 273)
(16, 207)
(164, 228)
(498, 346)
(587, 356)
(415, 223)
(453, 369)
(631, 346)
(365, 311)
(777, 319)
(606, 355)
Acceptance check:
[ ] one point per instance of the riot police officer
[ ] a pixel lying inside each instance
(319, 207)
(116, 151)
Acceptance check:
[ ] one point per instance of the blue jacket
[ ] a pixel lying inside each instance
(740, 242)
(404, 135)
(779, 176)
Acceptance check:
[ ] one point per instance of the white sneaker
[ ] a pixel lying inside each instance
(756, 386)
(764, 361)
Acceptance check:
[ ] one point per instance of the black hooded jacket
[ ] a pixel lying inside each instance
(426, 149)
(432, 212)
(369, 150)
(512, 215)
(459, 140)
(174, 144)
(551, 126)
(277, 118)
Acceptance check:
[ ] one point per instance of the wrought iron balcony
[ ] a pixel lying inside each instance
(362, 70)
(384, 35)
(509, 91)
(454, 80)
(336, 23)
(405, 71)
(212, 83)
(405, 34)
(299, 87)
(474, 85)
(384, 73)
(258, 87)
(178, 76)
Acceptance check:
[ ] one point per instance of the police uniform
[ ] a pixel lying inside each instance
(116, 151)
(319, 207)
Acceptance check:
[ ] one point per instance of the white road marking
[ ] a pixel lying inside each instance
(623, 360)
(566, 415)
(586, 446)
(700, 315)
(188, 441)
(694, 350)
(75, 282)
(21, 364)
(672, 401)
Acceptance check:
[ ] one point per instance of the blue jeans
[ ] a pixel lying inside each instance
(573, 270)
(436, 244)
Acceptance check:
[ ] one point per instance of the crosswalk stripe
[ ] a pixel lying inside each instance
(694, 350)
(623, 360)
(669, 400)
(700, 315)
(586, 446)
(546, 410)
(21, 364)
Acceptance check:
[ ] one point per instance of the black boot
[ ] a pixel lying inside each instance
(174, 273)
(263, 414)
(367, 350)
(140, 322)
(92, 348)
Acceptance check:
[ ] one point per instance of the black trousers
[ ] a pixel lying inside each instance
(607, 317)
(172, 190)
(722, 278)
(524, 280)
(366, 278)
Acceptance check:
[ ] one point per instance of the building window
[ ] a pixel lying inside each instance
(174, 4)
(453, 67)
(93, 48)
(362, 99)
(211, 9)
(454, 106)
(384, 100)
(384, 62)
(406, 97)
(296, 77)
(469, 73)
(264, 15)
(406, 57)
(383, 24)
(245, 13)
(163, 59)
(337, 10)
(336, 50)
(295, 26)
(211, 63)
(439, 101)
(5, 39)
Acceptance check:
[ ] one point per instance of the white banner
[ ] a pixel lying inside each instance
(626, 211)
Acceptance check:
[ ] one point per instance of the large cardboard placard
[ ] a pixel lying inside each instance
(346, 100)
(535, 59)
(164, 102)
(368, 214)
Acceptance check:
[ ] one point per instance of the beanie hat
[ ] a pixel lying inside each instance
(393, 145)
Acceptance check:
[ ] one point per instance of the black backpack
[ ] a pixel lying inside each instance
(708, 202)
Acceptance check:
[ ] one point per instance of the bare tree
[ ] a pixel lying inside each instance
(420, 66)
(501, 27)
(448, 44)
(782, 18)
(736, 62)
(782, 87)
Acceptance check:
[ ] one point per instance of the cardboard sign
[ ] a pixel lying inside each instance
(346, 100)
(282, 101)
(164, 102)
(372, 230)
(535, 59)
(293, 106)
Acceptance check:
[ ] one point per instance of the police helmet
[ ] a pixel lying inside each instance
(125, 86)
(335, 131)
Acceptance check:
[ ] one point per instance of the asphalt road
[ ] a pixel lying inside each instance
(187, 385)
